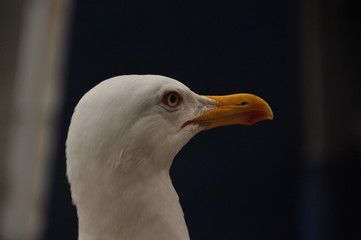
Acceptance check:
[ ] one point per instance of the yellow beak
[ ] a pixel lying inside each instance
(245, 109)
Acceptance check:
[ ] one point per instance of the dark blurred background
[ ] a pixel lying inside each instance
(296, 177)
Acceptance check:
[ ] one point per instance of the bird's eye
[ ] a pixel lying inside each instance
(172, 99)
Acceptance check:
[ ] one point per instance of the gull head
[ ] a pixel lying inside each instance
(123, 136)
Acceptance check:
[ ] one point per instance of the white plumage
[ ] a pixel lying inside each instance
(122, 139)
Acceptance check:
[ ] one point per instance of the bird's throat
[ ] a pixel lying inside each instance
(140, 209)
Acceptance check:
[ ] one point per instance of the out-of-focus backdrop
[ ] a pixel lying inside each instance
(296, 177)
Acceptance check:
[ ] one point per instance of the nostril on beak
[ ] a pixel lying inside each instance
(242, 104)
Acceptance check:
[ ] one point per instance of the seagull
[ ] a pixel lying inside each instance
(123, 136)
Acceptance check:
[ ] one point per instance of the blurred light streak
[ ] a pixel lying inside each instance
(36, 101)
(313, 132)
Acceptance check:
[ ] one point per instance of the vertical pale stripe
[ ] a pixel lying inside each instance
(36, 101)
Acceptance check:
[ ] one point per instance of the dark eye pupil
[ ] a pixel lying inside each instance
(173, 98)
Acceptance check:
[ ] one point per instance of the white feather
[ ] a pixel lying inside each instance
(121, 143)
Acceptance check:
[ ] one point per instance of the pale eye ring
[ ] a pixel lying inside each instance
(172, 99)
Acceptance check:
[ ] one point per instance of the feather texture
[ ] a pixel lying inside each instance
(121, 143)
